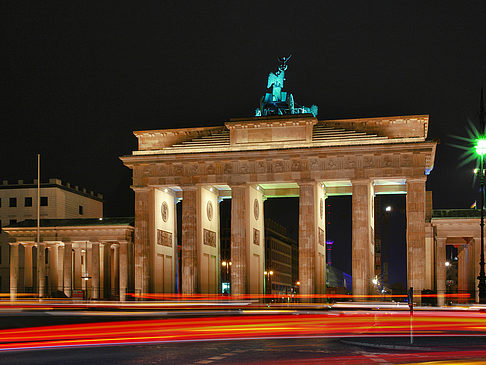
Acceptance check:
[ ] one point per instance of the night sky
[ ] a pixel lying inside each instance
(79, 77)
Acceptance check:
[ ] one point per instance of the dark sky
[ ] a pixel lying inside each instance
(79, 77)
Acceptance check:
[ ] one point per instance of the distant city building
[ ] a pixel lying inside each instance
(18, 202)
(280, 252)
(337, 281)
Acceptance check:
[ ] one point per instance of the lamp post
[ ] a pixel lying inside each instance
(226, 265)
(481, 151)
(267, 275)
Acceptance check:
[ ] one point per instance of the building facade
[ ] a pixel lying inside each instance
(79, 258)
(18, 202)
(456, 237)
(291, 155)
(279, 249)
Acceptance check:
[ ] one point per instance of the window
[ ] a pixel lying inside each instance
(44, 201)
(0, 202)
(80, 208)
(28, 201)
(13, 221)
(12, 202)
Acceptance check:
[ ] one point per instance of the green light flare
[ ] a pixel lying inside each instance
(480, 146)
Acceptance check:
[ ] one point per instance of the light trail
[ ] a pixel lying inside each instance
(329, 324)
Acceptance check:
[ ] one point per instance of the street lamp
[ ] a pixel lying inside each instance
(480, 149)
(267, 275)
(226, 265)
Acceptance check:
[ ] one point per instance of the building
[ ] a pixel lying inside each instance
(279, 252)
(81, 258)
(456, 236)
(276, 156)
(18, 202)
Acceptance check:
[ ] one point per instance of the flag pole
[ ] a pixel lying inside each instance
(38, 197)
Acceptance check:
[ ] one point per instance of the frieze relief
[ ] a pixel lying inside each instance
(210, 169)
(368, 161)
(164, 238)
(261, 167)
(209, 237)
(179, 173)
(296, 165)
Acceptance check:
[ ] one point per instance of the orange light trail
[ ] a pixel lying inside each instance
(329, 324)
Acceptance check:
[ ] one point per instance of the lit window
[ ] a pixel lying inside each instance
(28, 201)
(44, 201)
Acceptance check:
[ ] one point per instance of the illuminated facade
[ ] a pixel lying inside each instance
(18, 202)
(274, 156)
(79, 258)
(456, 236)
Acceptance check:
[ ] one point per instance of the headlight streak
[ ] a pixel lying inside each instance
(242, 327)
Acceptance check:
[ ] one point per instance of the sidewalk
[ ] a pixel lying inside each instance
(435, 343)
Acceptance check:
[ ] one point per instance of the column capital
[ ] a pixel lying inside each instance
(14, 243)
(361, 181)
(417, 179)
(306, 182)
(189, 187)
(141, 189)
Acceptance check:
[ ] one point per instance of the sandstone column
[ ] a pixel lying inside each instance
(77, 269)
(142, 249)
(95, 271)
(440, 270)
(416, 263)
(28, 267)
(52, 251)
(312, 238)
(363, 255)
(68, 269)
(115, 281)
(107, 270)
(41, 268)
(463, 274)
(123, 269)
(14, 269)
(239, 274)
(189, 240)
(60, 267)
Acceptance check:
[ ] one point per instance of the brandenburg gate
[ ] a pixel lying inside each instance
(250, 159)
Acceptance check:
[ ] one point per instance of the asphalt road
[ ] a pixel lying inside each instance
(285, 351)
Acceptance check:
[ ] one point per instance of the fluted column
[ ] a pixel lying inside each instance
(107, 270)
(68, 269)
(52, 285)
(14, 269)
(115, 281)
(463, 274)
(307, 237)
(95, 270)
(440, 270)
(142, 249)
(363, 248)
(41, 268)
(123, 269)
(60, 267)
(189, 240)
(416, 263)
(239, 274)
(28, 266)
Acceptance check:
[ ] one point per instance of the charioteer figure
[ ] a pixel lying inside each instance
(278, 102)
